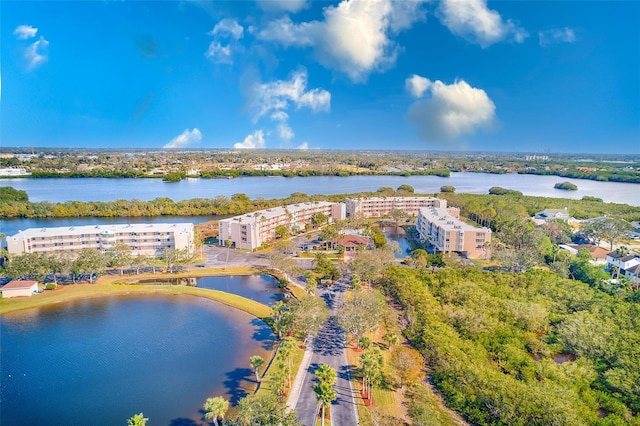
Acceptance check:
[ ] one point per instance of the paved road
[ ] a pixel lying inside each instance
(329, 348)
(222, 257)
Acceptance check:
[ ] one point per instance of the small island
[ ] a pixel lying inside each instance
(567, 186)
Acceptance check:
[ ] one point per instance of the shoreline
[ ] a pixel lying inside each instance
(123, 285)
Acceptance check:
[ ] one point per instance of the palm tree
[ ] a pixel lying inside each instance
(256, 362)
(327, 377)
(391, 338)
(326, 394)
(214, 408)
(326, 374)
(137, 420)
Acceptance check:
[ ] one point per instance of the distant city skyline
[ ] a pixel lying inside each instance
(454, 75)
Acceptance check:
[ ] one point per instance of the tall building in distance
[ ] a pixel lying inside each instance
(143, 239)
(445, 231)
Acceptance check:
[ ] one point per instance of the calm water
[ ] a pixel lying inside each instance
(398, 235)
(261, 288)
(99, 361)
(96, 189)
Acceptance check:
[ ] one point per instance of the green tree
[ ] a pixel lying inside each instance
(328, 233)
(361, 313)
(311, 283)
(89, 261)
(407, 364)
(420, 258)
(281, 317)
(406, 188)
(448, 188)
(215, 408)
(256, 361)
(307, 316)
(391, 338)
(319, 219)
(264, 409)
(26, 265)
(137, 420)
(326, 374)
(119, 257)
(281, 231)
(371, 364)
(324, 388)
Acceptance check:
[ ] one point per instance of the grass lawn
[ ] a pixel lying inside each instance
(84, 291)
(273, 370)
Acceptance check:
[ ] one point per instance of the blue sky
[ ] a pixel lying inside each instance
(460, 75)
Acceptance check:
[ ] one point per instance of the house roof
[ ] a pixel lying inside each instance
(19, 284)
(351, 240)
(617, 255)
(548, 212)
(596, 251)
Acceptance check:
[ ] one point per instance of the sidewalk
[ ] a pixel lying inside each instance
(296, 388)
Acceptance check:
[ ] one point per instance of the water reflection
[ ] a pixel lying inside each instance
(99, 361)
(397, 234)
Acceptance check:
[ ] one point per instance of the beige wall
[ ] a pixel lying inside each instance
(19, 292)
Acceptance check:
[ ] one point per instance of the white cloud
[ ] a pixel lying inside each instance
(283, 5)
(285, 132)
(417, 85)
(473, 21)
(303, 146)
(280, 116)
(227, 27)
(23, 32)
(218, 53)
(252, 141)
(36, 53)
(557, 35)
(279, 95)
(184, 139)
(451, 111)
(354, 35)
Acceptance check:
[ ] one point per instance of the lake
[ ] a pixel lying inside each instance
(96, 189)
(99, 361)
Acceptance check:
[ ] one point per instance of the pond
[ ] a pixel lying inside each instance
(99, 361)
(397, 234)
(261, 288)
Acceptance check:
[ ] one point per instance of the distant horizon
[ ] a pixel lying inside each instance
(470, 76)
(10, 149)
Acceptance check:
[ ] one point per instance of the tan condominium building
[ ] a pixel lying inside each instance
(381, 206)
(252, 230)
(445, 231)
(143, 239)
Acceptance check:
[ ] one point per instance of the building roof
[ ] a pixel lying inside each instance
(257, 216)
(617, 255)
(14, 285)
(596, 251)
(98, 229)
(351, 240)
(445, 220)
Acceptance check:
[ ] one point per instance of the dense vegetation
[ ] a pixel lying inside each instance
(487, 207)
(15, 204)
(568, 186)
(523, 348)
(232, 163)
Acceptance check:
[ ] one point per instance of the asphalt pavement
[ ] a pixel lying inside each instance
(328, 347)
